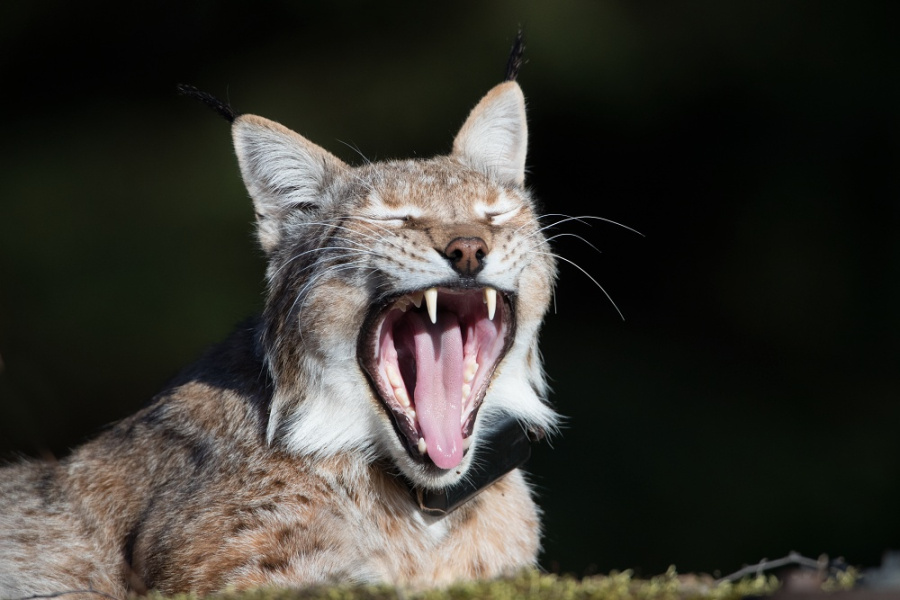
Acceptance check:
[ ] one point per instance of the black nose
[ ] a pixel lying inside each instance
(466, 255)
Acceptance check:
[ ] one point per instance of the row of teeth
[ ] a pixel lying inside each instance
(402, 396)
(423, 446)
(400, 393)
(431, 294)
(396, 381)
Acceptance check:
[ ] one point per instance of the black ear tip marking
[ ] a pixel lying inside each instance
(222, 108)
(515, 60)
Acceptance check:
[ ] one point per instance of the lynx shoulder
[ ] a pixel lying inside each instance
(399, 335)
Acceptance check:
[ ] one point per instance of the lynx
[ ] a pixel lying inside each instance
(350, 432)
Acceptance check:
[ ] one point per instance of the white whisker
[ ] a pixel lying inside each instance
(324, 249)
(356, 149)
(576, 236)
(582, 219)
(377, 238)
(588, 275)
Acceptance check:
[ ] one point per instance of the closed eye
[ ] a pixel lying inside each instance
(499, 218)
(396, 220)
(393, 217)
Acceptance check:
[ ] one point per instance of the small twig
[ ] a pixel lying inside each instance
(793, 558)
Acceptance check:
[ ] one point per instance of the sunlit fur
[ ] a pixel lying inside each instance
(271, 461)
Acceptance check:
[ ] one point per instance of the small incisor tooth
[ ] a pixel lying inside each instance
(423, 447)
(490, 298)
(431, 303)
(470, 370)
(393, 376)
(416, 298)
(466, 391)
(401, 396)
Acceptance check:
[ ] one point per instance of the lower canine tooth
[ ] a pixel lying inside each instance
(466, 391)
(431, 303)
(490, 298)
(423, 447)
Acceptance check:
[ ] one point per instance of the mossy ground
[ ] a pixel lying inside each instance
(533, 585)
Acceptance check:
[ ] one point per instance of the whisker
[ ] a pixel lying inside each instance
(582, 219)
(356, 149)
(576, 236)
(320, 261)
(335, 223)
(324, 249)
(368, 235)
(544, 228)
(309, 285)
(303, 292)
(588, 275)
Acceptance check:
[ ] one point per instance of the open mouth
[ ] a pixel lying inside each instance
(430, 356)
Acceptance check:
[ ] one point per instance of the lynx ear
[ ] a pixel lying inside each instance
(494, 139)
(283, 172)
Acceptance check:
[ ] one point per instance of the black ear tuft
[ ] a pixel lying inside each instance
(224, 110)
(514, 63)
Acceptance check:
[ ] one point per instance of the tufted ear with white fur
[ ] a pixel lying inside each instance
(283, 172)
(494, 139)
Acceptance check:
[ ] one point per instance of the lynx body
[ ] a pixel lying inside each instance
(401, 321)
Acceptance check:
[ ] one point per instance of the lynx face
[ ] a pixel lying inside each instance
(405, 297)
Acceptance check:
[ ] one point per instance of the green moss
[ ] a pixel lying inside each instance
(533, 585)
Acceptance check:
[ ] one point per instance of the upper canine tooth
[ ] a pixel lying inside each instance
(431, 303)
(490, 298)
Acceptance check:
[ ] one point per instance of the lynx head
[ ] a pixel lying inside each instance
(404, 297)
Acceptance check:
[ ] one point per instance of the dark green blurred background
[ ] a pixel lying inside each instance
(747, 406)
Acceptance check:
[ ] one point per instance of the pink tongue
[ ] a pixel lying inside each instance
(438, 393)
